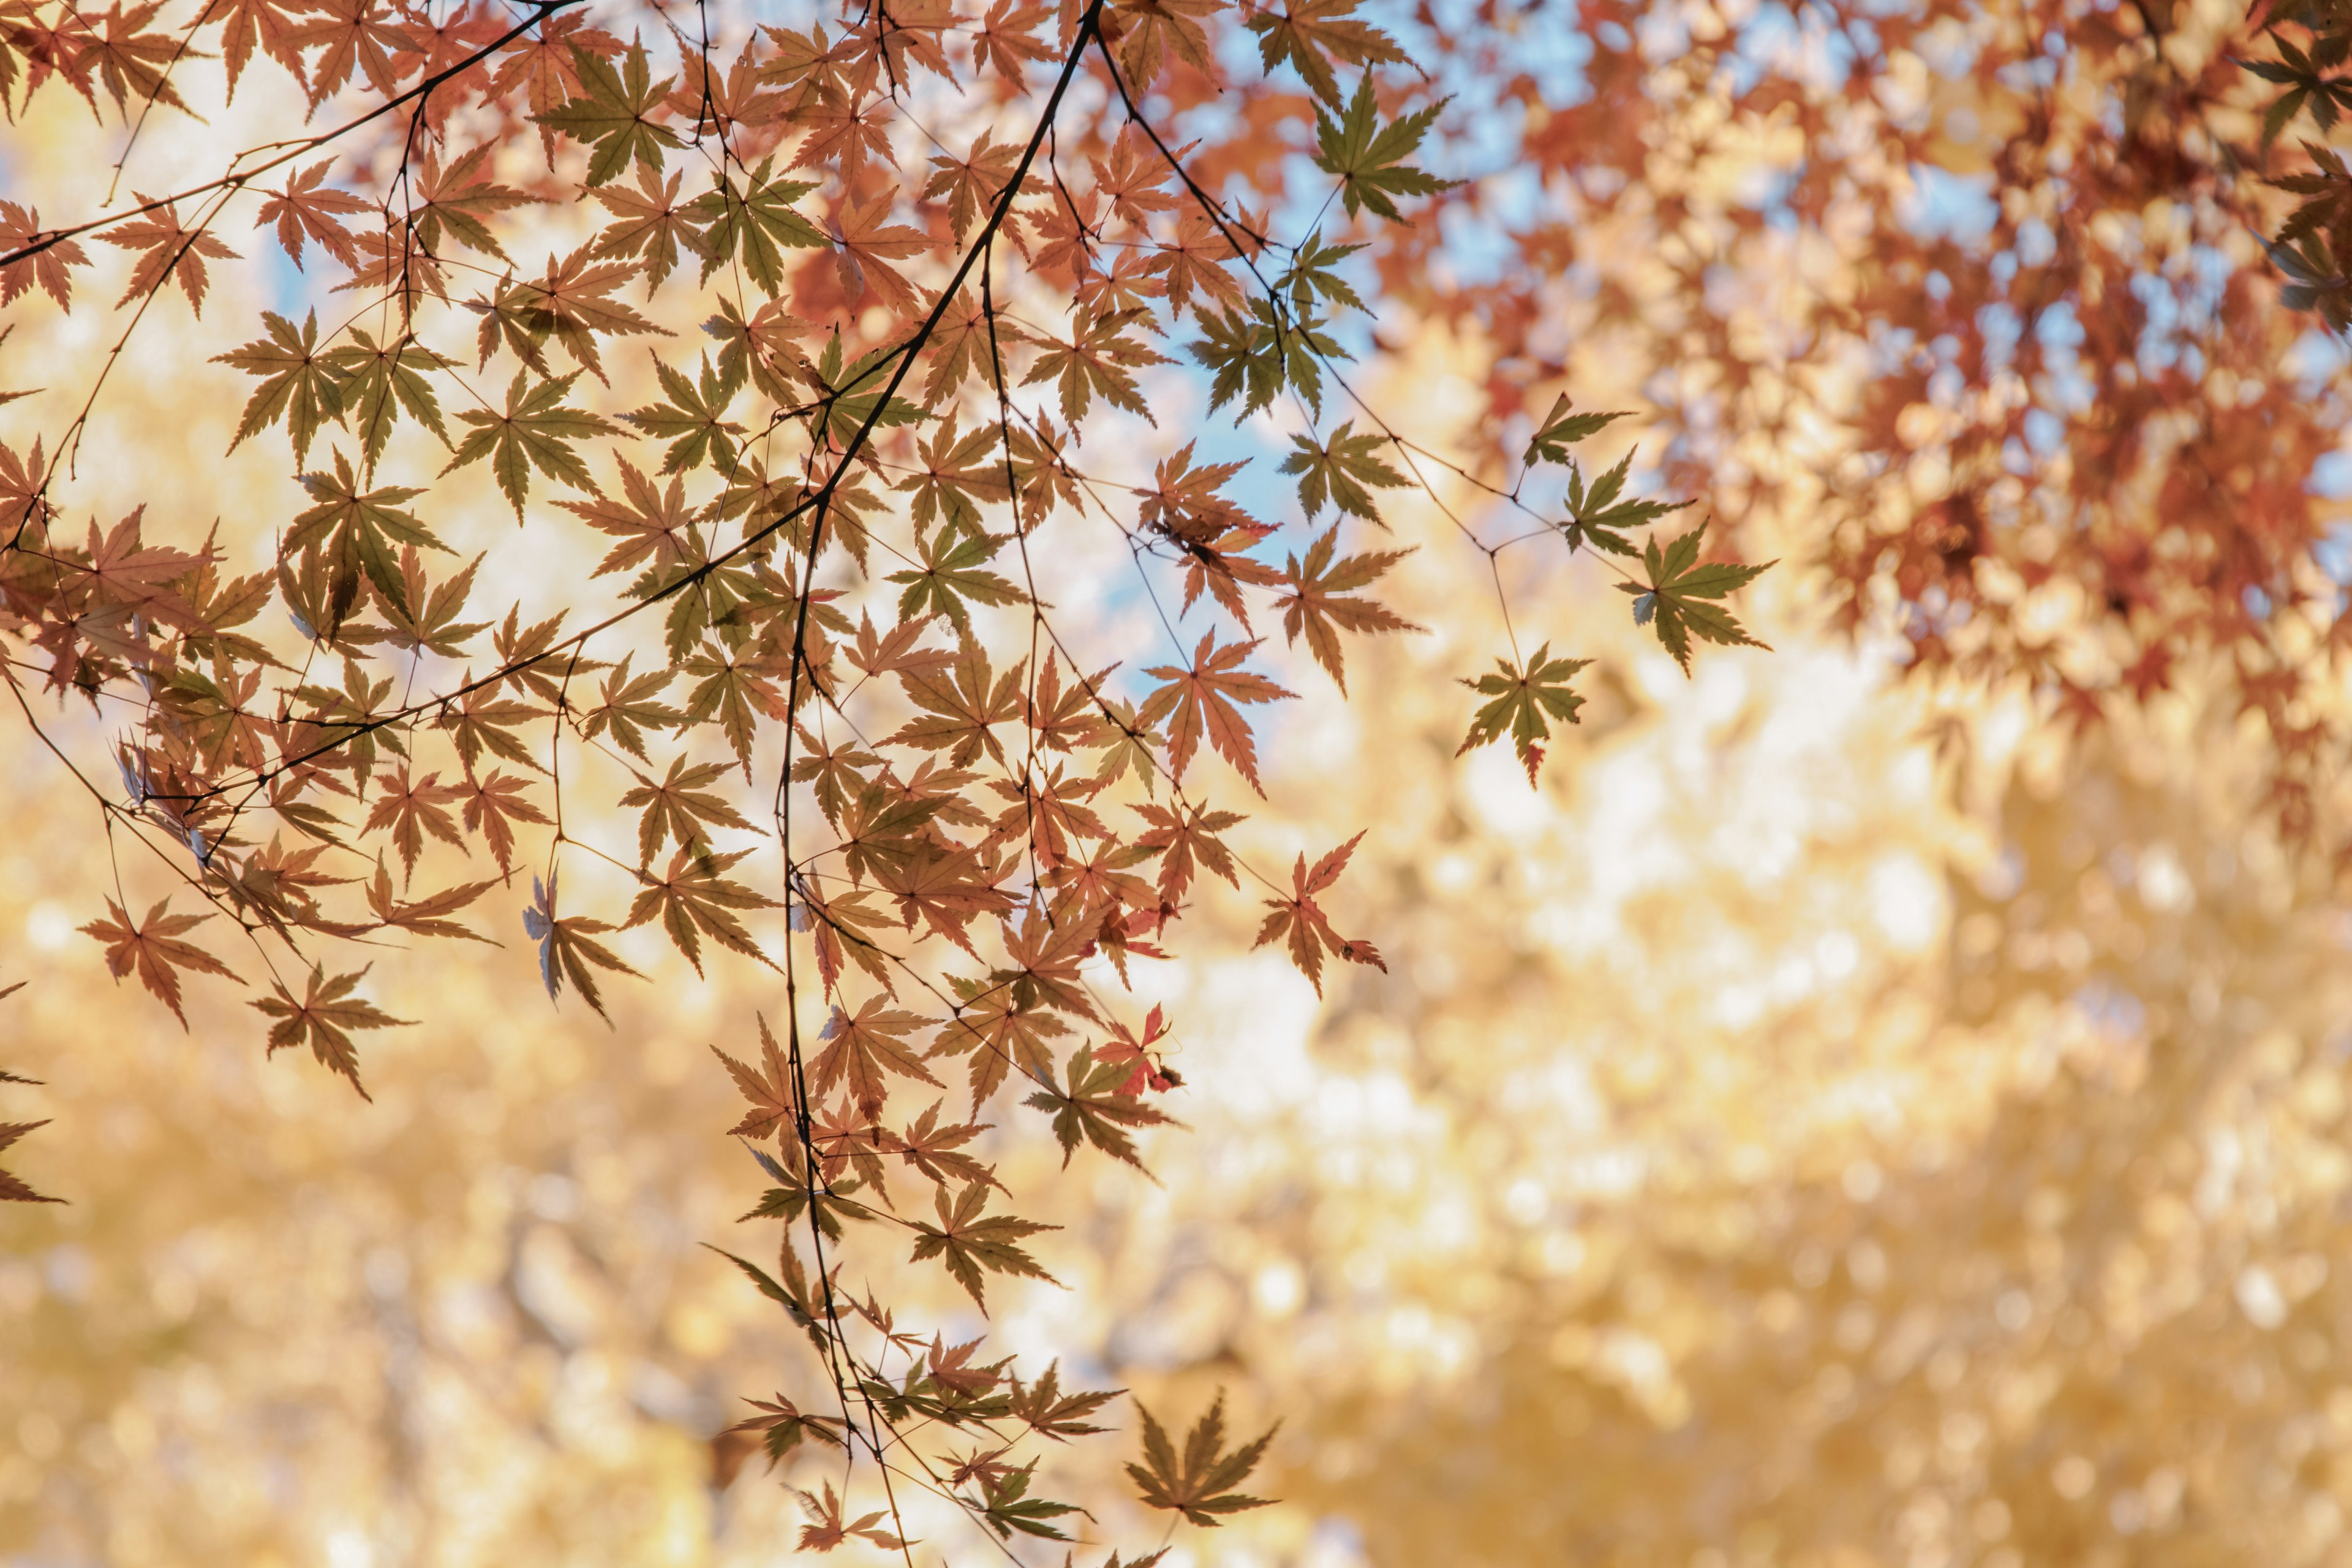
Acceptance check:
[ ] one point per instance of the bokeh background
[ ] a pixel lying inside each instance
(1836, 1121)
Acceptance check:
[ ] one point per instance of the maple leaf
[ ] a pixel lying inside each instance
(1000, 1029)
(13, 1189)
(358, 529)
(1562, 428)
(411, 809)
(382, 381)
(1201, 1485)
(1321, 601)
(497, 800)
(1260, 352)
(307, 208)
(753, 225)
(535, 432)
(1006, 1506)
(768, 1087)
(972, 183)
(1095, 360)
(298, 385)
(931, 1148)
(694, 418)
(959, 706)
(44, 269)
(859, 1050)
(679, 807)
(614, 113)
(458, 197)
(270, 24)
(848, 397)
(1203, 698)
(649, 523)
(948, 483)
(694, 900)
(1004, 44)
(169, 250)
(864, 246)
(953, 560)
(1126, 1049)
(1194, 260)
(1302, 920)
(1310, 34)
(650, 222)
(568, 948)
(570, 304)
(1369, 157)
(427, 916)
(1096, 1106)
(1675, 597)
(1340, 469)
(1597, 518)
(826, 1531)
(1046, 952)
(356, 33)
(324, 1019)
(782, 1425)
(970, 1243)
(1050, 1413)
(628, 708)
(1519, 701)
(1146, 32)
(1185, 835)
(154, 947)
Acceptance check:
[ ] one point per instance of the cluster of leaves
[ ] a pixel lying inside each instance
(2067, 439)
(820, 534)
(13, 1188)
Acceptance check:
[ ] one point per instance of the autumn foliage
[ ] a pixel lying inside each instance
(821, 336)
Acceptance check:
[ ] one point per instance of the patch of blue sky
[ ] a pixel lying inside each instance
(290, 290)
(2061, 333)
(2000, 329)
(2331, 476)
(2316, 359)
(1478, 250)
(2334, 552)
(2045, 433)
(1946, 206)
(1553, 52)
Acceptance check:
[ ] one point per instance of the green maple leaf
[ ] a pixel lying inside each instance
(1521, 702)
(847, 397)
(1369, 158)
(361, 533)
(1259, 353)
(694, 418)
(1310, 277)
(378, 382)
(1597, 518)
(1200, 1487)
(1094, 1111)
(1340, 470)
(298, 384)
(1009, 1508)
(1562, 429)
(535, 432)
(692, 896)
(969, 1243)
(952, 574)
(755, 223)
(1674, 598)
(614, 115)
